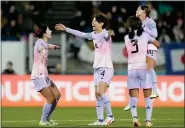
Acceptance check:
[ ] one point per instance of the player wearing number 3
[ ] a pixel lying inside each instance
(149, 27)
(137, 43)
(103, 66)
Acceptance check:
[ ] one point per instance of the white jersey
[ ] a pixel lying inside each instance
(102, 44)
(103, 50)
(137, 50)
(149, 26)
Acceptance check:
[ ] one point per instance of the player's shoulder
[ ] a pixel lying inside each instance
(39, 42)
(150, 20)
(126, 37)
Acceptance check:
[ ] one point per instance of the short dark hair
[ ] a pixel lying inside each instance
(147, 9)
(101, 18)
(40, 33)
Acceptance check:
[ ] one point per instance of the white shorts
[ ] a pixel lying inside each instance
(137, 79)
(152, 54)
(41, 83)
(103, 75)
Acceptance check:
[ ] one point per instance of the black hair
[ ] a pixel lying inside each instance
(147, 9)
(134, 23)
(101, 18)
(40, 33)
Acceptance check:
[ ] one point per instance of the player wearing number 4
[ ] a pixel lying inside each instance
(103, 66)
(149, 27)
(136, 43)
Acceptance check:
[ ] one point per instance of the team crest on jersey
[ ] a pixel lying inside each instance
(153, 26)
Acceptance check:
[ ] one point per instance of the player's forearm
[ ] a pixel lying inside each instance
(78, 33)
(156, 43)
(152, 32)
(51, 46)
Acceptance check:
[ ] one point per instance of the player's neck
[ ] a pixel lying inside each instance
(45, 39)
(98, 31)
(142, 18)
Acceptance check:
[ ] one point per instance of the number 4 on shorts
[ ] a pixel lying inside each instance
(103, 74)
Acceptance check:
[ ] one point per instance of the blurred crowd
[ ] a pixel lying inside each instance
(18, 19)
(169, 17)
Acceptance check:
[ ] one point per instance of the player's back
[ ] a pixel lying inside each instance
(137, 51)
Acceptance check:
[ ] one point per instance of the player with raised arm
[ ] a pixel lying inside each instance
(39, 75)
(149, 27)
(103, 66)
(136, 43)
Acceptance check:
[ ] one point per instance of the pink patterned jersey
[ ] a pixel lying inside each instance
(137, 50)
(103, 47)
(40, 62)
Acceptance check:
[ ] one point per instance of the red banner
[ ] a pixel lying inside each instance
(78, 90)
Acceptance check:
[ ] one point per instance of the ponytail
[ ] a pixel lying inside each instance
(131, 34)
(135, 27)
(140, 31)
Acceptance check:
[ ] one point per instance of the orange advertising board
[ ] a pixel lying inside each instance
(78, 91)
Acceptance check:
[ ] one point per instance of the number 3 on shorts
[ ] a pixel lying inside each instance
(103, 73)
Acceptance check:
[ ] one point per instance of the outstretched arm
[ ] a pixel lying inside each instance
(51, 47)
(74, 32)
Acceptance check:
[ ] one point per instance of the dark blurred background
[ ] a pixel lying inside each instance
(19, 19)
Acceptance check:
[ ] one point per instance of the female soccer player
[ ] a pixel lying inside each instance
(103, 66)
(136, 43)
(149, 26)
(39, 75)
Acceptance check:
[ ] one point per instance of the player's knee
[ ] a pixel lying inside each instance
(51, 100)
(58, 96)
(98, 94)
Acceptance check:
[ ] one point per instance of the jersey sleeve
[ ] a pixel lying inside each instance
(150, 38)
(79, 34)
(151, 29)
(38, 46)
(106, 36)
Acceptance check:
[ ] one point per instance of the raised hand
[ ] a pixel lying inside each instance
(111, 32)
(60, 27)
